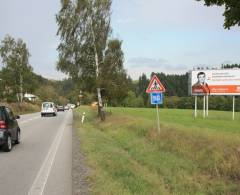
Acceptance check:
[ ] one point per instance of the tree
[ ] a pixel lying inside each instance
(84, 27)
(143, 83)
(113, 77)
(16, 71)
(47, 93)
(229, 66)
(231, 13)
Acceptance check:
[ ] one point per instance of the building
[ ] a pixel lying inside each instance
(30, 97)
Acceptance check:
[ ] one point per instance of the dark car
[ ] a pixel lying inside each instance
(9, 129)
(60, 108)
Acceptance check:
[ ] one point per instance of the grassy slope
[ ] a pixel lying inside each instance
(190, 156)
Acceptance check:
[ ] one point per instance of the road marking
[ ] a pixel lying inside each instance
(40, 181)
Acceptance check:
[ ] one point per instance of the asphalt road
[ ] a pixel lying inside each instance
(42, 162)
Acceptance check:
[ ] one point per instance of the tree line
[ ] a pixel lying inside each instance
(17, 76)
(117, 88)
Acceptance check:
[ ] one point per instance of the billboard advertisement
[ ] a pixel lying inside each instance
(215, 82)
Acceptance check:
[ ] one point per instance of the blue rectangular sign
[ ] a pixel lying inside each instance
(156, 98)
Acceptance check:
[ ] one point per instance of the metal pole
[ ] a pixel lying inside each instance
(204, 106)
(158, 122)
(207, 105)
(195, 112)
(233, 115)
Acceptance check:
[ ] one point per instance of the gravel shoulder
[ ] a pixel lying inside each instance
(80, 171)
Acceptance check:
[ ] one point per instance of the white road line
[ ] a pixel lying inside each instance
(40, 181)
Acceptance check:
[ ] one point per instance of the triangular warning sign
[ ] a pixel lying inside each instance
(155, 85)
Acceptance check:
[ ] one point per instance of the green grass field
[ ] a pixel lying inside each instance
(189, 156)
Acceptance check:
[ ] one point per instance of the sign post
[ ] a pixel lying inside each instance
(158, 120)
(156, 99)
(156, 90)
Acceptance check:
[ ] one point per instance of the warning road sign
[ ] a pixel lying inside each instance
(155, 85)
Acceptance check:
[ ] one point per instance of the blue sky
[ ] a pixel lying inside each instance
(163, 36)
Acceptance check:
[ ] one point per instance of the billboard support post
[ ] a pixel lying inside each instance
(204, 106)
(207, 105)
(195, 112)
(233, 115)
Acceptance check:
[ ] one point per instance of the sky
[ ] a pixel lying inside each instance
(158, 36)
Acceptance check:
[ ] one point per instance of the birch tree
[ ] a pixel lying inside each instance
(15, 58)
(84, 28)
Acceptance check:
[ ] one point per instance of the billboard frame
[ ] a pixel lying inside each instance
(206, 95)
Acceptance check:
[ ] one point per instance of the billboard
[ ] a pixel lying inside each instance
(215, 82)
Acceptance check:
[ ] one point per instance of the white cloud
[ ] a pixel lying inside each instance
(137, 66)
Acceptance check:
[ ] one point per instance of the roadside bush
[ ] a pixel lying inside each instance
(132, 101)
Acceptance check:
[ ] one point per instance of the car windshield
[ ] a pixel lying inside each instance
(47, 105)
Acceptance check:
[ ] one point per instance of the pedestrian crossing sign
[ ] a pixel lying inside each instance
(155, 85)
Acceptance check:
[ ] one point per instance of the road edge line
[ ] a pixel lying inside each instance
(40, 181)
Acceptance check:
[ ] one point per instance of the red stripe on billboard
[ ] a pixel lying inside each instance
(224, 88)
(216, 89)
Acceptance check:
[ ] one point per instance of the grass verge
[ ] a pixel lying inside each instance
(22, 108)
(190, 156)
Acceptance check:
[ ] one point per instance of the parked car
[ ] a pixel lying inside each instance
(48, 108)
(9, 129)
(60, 108)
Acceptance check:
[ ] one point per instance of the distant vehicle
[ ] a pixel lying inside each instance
(60, 108)
(72, 106)
(66, 107)
(48, 108)
(9, 129)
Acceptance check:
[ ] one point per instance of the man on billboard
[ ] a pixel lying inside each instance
(201, 86)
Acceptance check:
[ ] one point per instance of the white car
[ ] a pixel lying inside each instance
(71, 106)
(48, 108)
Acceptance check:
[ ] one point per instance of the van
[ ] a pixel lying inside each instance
(48, 108)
